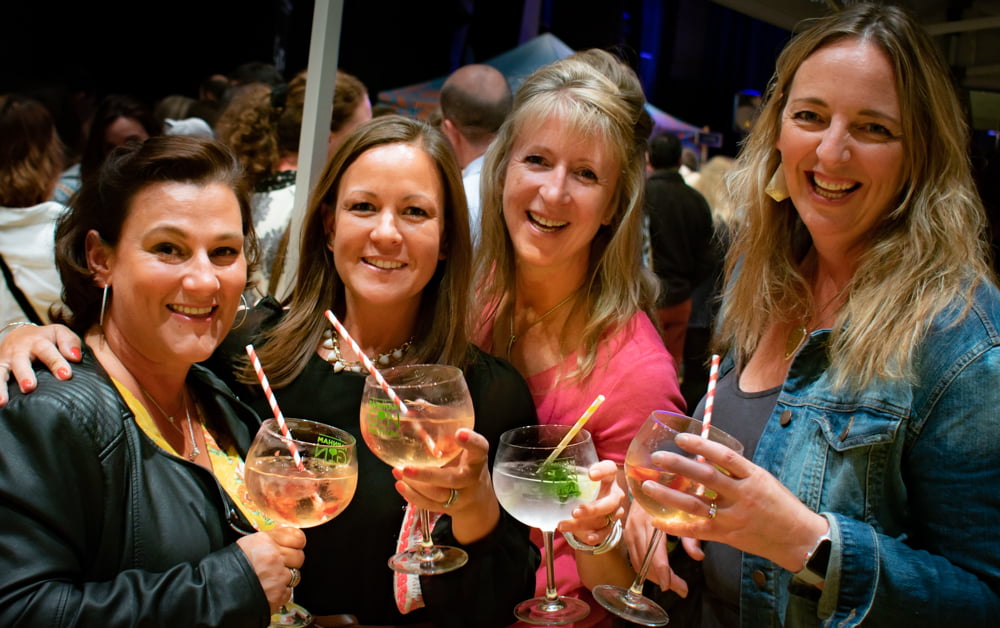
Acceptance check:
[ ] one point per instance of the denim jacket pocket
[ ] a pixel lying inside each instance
(841, 459)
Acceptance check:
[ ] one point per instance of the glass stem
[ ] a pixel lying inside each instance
(426, 540)
(635, 591)
(551, 595)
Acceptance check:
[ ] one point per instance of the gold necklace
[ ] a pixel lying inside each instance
(514, 337)
(195, 452)
(797, 334)
(335, 358)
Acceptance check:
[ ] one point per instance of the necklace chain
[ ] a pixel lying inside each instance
(195, 452)
(335, 358)
(515, 337)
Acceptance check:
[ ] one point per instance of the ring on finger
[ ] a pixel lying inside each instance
(296, 577)
(712, 510)
(610, 522)
(452, 498)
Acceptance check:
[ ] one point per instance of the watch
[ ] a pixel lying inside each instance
(813, 570)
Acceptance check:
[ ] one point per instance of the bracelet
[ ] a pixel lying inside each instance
(608, 544)
(15, 325)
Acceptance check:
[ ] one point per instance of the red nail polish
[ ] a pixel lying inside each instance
(63, 373)
(75, 353)
(396, 473)
(410, 472)
(26, 385)
(463, 437)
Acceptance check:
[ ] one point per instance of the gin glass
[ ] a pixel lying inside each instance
(656, 434)
(438, 404)
(540, 492)
(301, 481)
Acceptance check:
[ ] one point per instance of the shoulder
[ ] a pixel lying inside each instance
(86, 404)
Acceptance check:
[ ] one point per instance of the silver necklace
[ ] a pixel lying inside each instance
(195, 452)
(332, 344)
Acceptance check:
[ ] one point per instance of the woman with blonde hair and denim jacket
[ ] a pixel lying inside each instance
(860, 330)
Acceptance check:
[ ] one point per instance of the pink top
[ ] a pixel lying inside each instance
(637, 375)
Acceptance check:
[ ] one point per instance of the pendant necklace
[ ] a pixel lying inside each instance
(195, 452)
(515, 337)
(797, 335)
(332, 344)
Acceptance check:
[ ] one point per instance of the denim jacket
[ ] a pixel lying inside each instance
(908, 475)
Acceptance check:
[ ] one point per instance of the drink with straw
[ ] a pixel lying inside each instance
(656, 434)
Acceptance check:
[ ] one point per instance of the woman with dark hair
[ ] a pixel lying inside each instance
(31, 158)
(118, 119)
(119, 490)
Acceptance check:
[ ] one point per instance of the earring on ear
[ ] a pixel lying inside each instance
(777, 187)
(104, 304)
(243, 308)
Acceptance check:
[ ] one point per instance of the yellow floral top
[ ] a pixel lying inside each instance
(227, 465)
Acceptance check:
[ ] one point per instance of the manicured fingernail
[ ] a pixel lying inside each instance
(26, 385)
(396, 473)
(63, 373)
(463, 436)
(75, 353)
(411, 472)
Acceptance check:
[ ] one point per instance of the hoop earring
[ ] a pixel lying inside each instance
(777, 187)
(104, 304)
(244, 307)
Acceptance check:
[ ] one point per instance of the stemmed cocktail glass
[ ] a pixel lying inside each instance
(540, 491)
(437, 404)
(656, 434)
(302, 480)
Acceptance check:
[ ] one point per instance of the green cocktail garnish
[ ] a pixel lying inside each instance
(559, 480)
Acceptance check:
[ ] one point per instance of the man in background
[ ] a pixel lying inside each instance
(475, 100)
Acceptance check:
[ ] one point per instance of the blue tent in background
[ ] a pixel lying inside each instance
(421, 100)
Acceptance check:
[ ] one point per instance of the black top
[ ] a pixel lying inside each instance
(346, 559)
(680, 235)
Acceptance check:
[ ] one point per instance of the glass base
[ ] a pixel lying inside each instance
(640, 610)
(544, 612)
(428, 561)
(291, 614)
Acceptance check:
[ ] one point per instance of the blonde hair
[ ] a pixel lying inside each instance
(440, 334)
(927, 251)
(601, 99)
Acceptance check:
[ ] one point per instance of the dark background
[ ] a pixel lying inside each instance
(691, 55)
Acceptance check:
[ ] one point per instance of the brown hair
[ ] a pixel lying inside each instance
(441, 334)
(104, 202)
(31, 155)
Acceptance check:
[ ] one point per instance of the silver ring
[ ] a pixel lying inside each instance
(296, 578)
(712, 509)
(611, 521)
(452, 498)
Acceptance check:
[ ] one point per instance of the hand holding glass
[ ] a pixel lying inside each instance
(438, 405)
(541, 493)
(304, 496)
(656, 434)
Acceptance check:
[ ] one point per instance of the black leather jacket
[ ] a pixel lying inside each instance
(100, 527)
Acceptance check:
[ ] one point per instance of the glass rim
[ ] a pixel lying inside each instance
(272, 427)
(729, 438)
(454, 374)
(581, 438)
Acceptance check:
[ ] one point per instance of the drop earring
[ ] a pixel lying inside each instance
(104, 304)
(777, 187)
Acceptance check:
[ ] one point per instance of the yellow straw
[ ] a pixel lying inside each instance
(573, 431)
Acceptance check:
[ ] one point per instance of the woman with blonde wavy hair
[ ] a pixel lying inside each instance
(861, 353)
(564, 295)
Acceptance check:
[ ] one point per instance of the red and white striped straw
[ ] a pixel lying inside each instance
(713, 377)
(367, 362)
(274, 407)
(706, 419)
